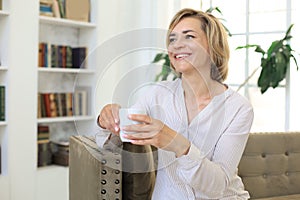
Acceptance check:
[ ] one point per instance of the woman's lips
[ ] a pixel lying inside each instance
(181, 56)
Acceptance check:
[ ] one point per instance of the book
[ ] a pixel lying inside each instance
(79, 57)
(69, 104)
(2, 103)
(61, 6)
(81, 101)
(43, 133)
(46, 9)
(55, 9)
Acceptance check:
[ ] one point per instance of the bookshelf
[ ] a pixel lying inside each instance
(21, 31)
(4, 63)
(64, 32)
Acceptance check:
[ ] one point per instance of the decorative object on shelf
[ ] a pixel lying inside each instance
(274, 62)
(78, 10)
(44, 148)
(60, 154)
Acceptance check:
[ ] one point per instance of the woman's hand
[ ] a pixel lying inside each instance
(109, 118)
(154, 132)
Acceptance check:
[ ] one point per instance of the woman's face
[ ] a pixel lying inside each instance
(188, 47)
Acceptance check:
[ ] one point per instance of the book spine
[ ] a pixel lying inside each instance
(2, 103)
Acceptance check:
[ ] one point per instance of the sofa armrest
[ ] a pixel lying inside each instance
(94, 173)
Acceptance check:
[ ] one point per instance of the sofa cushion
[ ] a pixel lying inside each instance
(287, 197)
(270, 164)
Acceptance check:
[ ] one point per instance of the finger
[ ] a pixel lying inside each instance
(138, 136)
(137, 128)
(140, 118)
(115, 113)
(142, 142)
(107, 121)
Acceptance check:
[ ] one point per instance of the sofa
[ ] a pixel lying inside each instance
(269, 168)
(270, 165)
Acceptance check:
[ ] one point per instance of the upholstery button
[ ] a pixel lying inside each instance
(117, 161)
(286, 153)
(263, 155)
(117, 181)
(117, 172)
(117, 191)
(103, 182)
(103, 171)
(103, 191)
(103, 161)
(265, 175)
(287, 173)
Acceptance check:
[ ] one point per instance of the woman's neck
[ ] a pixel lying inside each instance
(198, 93)
(198, 87)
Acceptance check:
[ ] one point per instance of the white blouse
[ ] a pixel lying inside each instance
(218, 135)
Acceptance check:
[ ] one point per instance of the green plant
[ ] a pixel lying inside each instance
(274, 62)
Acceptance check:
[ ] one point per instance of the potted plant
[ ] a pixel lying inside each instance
(274, 62)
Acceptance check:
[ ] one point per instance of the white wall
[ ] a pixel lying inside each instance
(131, 33)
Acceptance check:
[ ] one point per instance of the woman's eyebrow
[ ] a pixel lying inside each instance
(184, 32)
(187, 31)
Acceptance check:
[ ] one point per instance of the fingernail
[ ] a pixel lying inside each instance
(116, 128)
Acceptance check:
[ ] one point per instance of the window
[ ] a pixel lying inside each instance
(261, 22)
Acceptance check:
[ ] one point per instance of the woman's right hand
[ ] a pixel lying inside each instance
(109, 118)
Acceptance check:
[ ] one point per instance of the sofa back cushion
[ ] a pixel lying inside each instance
(270, 165)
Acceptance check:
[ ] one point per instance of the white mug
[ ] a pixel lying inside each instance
(124, 120)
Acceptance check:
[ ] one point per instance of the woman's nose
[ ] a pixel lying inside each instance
(178, 44)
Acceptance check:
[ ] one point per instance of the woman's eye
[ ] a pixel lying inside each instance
(189, 36)
(171, 40)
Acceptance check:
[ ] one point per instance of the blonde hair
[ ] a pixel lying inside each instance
(216, 36)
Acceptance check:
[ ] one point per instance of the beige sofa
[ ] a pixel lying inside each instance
(270, 168)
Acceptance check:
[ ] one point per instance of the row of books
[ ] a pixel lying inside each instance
(2, 103)
(61, 56)
(50, 152)
(70, 9)
(63, 104)
(52, 8)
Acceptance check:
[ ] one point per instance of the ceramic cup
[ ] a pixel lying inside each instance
(124, 120)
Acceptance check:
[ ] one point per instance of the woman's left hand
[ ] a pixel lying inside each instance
(154, 132)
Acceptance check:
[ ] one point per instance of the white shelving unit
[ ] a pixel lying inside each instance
(21, 30)
(60, 70)
(4, 38)
(75, 34)
(3, 13)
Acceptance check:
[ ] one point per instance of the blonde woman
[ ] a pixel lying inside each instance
(199, 125)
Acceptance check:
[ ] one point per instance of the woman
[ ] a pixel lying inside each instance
(199, 125)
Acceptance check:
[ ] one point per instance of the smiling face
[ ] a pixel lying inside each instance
(188, 47)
